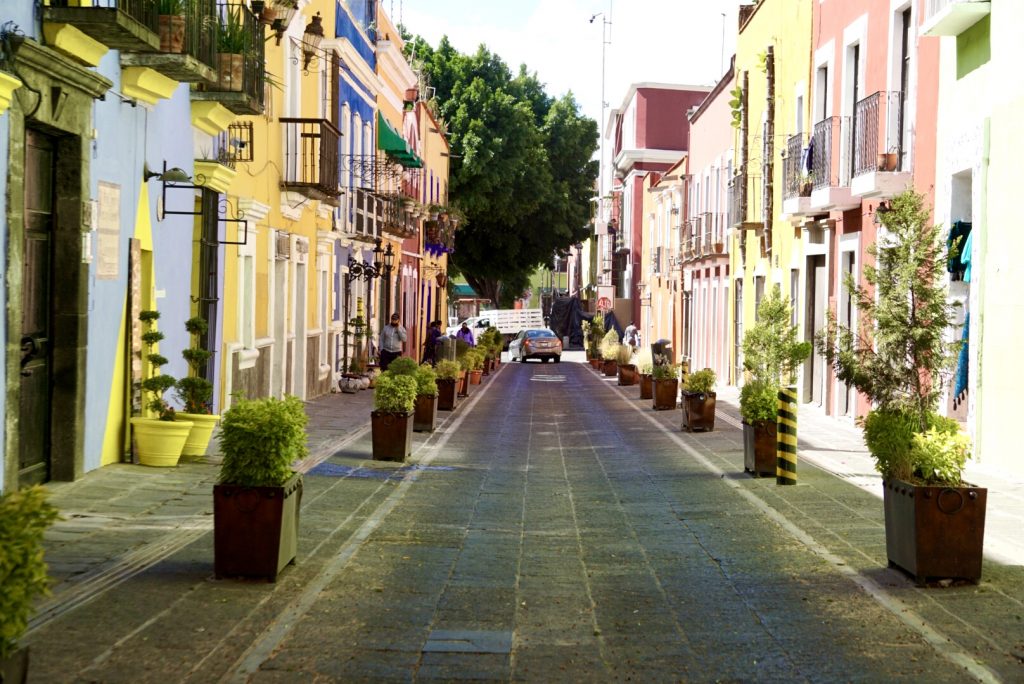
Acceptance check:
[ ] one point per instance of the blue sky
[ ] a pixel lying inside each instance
(665, 41)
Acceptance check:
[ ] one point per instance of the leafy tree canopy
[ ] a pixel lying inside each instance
(521, 166)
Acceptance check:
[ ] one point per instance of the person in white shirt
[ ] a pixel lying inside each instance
(631, 336)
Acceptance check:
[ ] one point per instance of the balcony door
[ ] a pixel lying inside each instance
(904, 120)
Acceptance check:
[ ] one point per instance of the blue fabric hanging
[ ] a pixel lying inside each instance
(965, 257)
(960, 383)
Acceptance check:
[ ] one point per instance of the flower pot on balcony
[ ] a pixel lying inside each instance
(230, 71)
(172, 33)
(887, 161)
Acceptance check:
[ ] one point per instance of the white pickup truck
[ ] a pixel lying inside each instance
(508, 321)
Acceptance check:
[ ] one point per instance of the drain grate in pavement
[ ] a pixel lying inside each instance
(468, 641)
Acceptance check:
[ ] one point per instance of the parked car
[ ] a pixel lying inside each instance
(535, 343)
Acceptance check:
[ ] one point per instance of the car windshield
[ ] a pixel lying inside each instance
(539, 333)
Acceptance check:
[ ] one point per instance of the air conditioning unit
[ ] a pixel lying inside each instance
(282, 246)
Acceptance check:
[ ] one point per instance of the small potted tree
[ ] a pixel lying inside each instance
(698, 400)
(609, 353)
(665, 386)
(425, 417)
(25, 516)
(899, 358)
(624, 361)
(644, 368)
(159, 440)
(195, 392)
(594, 333)
(391, 421)
(257, 496)
(475, 361)
(447, 385)
(772, 353)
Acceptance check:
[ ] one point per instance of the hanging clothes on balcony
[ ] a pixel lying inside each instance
(962, 361)
(965, 256)
(956, 243)
(807, 159)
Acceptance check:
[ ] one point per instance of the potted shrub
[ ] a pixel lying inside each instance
(196, 392)
(665, 386)
(24, 517)
(257, 496)
(475, 361)
(391, 421)
(231, 46)
(899, 358)
(624, 361)
(447, 384)
(644, 368)
(462, 356)
(425, 417)
(698, 400)
(594, 332)
(609, 353)
(171, 17)
(772, 353)
(160, 440)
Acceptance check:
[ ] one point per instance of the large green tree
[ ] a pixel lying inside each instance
(521, 166)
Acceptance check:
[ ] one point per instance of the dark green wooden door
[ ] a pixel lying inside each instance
(37, 318)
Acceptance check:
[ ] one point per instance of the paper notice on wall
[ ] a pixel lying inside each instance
(108, 227)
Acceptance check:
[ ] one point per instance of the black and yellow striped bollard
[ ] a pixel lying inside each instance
(785, 441)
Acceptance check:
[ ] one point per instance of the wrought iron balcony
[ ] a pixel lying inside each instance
(366, 211)
(311, 158)
(188, 45)
(118, 24)
(878, 139)
(737, 187)
(829, 153)
(793, 175)
(239, 65)
(397, 220)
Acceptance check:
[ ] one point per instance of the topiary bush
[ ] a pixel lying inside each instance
(426, 381)
(24, 517)
(194, 391)
(394, 393)
(261, 439)
(157, 384)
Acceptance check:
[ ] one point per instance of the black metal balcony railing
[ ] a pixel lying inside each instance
(878, 142)
(118, 24)
(829, 144)
(366, 215)
(737, 187)
(792, 173)
(239, 63)
(311, 158)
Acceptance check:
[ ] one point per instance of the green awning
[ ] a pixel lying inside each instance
(391, 143)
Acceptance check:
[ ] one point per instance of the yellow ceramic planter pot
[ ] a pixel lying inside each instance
(199, 437)
(159, 442)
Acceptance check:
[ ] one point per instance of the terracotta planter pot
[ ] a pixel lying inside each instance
(463, 384)
(230, 70)
(447, 394)
(475, 377)
(934, 532)
(610, 368)
(425, 417)
(698, 411)
(665, 392)
(646, 386)
(759, 448)
(392, 435)
(887, 161)
(172, 33)
(627, 374)
(255, 529)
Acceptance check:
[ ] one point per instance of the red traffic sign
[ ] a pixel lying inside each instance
(604, 304)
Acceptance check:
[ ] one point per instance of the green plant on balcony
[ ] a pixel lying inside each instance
(231, 35)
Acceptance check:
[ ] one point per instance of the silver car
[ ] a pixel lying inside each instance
(535, 343)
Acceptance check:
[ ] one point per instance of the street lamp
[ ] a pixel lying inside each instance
(312, 37)
(365, 269)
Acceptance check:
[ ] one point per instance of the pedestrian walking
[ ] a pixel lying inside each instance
(466, 335)
(392, 342)
(430, 346)
(631, 336)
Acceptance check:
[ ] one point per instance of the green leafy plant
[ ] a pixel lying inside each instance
(403, 365)
(24, 517)
(475, 359)
(736, 106)
(666, 371)
(172, 7)
(645, 361)
(759, 401)
(889, 435)
(261, 439)
(448, 370)
(609, 345)
(700, 382)
(899, 357)
(231, 35)
(394, 393)
(594, 333)
(939, 456)
(426, 381)
(157, 384)
(194, 391)
(624, 355)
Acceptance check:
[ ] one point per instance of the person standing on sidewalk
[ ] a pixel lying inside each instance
(392, 342)
(466, 335)
(430, 346)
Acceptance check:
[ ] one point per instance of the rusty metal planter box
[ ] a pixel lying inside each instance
(392, 435)
(759, 448)
(627, 374)
(255, 529)
(698, 411)
(935, 532)
(447, 394)
(665, 392)
(426, 413)
(646, 390)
